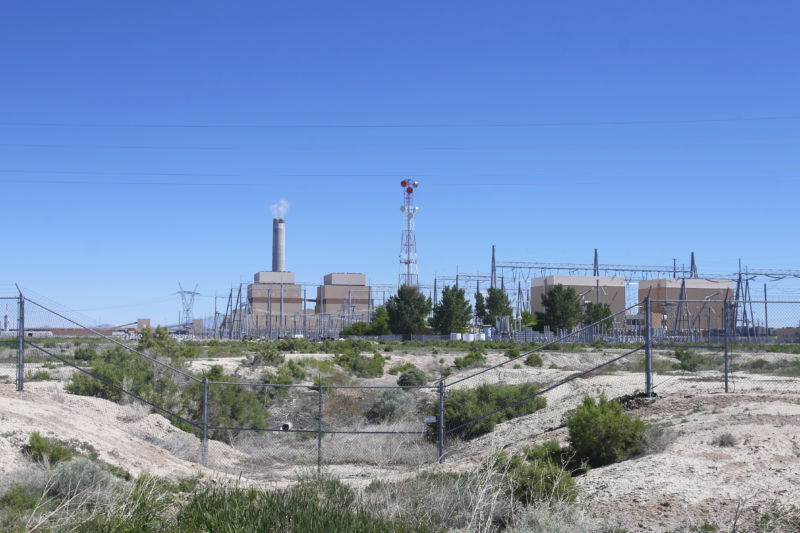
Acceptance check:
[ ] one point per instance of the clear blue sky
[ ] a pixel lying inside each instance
(141, 143)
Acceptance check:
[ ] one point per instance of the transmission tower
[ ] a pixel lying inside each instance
(187, 304)
(409, 274)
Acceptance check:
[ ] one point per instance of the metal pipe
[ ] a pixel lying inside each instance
(204, 443)
(441, 421)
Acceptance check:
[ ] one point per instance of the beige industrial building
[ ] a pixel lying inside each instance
(273, 294)
(344, 292)
(603, 289)
(707, 313)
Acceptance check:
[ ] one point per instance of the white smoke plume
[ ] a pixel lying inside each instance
(279, 209)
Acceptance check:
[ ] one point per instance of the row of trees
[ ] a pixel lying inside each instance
(405, 313)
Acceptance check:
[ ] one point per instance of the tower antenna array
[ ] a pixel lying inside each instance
(409, 274)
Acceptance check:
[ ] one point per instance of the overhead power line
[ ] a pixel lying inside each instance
(394, 147)
(400, 125)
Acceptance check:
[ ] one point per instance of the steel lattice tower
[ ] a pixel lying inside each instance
(187, 304)
(409, 274)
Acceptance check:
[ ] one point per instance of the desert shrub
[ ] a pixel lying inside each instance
(538, 475)
(399, 369)
(512, 352)
(229, 405)
(725, 440)
(79, 477)
(20, 498)
(39, 375)
(116, 366)
(692, 362)
(42, 449)
(390, 404)
(554, 518)
(412, 377)
(85, 353)
(159, 342)
(267, 354)
(601, 433)
(534, 359)
(473, 358)
(292, 345)
(465, 405)
(364, 367)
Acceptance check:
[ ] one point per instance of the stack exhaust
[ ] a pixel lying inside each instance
(278, 245)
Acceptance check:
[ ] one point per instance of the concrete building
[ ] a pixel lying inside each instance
(344, 292)
(603, 289)
(707, 313)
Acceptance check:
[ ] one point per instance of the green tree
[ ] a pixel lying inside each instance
(379, 325)
(595, 312)
(561, 308)
(380, 322)
(453, 313)
(528, 319)
(497, 305)
(480, 308)
(407, 310)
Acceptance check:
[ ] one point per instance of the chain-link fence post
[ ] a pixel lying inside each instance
(319, 427)
(648, 350)
(21, 347)
(725, 340)
(441, 421)
(204, 442)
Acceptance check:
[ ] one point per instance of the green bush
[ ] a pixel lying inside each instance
(267, 354)
(601, 433)
(538, 474)
(412, 377)
(20, 498)
(399, 369)
(512, 352)
(534, 359)
(79, 477)
(86, 353)
(465, 405)
(42, 449)
(472, 359)
(390, 404)
(229, 405)
(364, 367)
(39, 375)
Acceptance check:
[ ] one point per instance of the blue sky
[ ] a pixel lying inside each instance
(141, 144)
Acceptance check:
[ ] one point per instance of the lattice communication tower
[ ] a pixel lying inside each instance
(409, 274)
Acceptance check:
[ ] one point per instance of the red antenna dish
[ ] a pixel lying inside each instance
(403, 183)
(410, 190)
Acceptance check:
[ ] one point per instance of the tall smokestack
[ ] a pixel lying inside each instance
(278, 245)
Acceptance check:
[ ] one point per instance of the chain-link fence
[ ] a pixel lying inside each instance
(264, 430)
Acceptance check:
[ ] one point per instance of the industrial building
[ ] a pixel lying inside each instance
(603, 289)
(277, 304)
(345, 293)
(695, 303)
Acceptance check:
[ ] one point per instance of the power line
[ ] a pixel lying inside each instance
(534, 181)
(454, 148)
(390, 125)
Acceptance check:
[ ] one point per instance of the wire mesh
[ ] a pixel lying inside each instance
(9, 340)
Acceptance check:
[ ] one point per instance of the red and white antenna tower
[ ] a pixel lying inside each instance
(408, 239)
